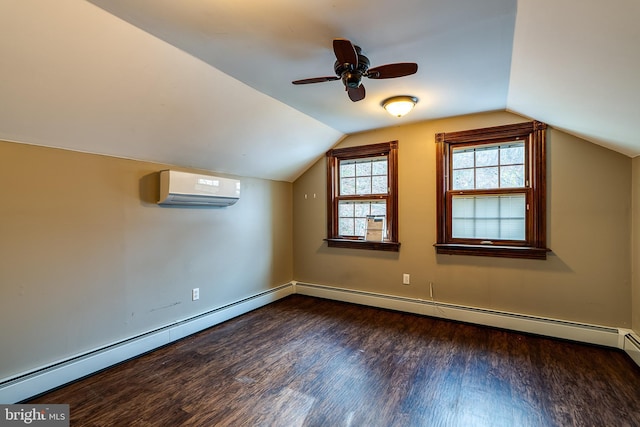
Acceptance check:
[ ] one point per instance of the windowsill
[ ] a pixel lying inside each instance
(363, 244)
(494, 251)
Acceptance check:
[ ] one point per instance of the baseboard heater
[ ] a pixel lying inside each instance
(632, 347)
(574, 331)
(38, 381)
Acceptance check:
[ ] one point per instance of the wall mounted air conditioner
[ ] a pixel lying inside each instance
(188, 189)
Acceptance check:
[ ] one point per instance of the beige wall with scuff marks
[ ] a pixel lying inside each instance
(87, 258)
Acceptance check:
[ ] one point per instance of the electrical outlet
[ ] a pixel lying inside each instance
(195, 294)
(406, 279)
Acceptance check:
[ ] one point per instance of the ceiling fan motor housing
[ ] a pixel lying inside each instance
(351, 74)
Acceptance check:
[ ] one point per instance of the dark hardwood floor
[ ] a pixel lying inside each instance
(305, 361)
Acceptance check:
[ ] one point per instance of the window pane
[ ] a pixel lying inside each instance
(463, 229)
(486, 178)
(347, 186)
(346, 227)
(512, 229)
(379, 167)
(363, 185)
(379, 209)
(345, 210)
(379, 185)
(347, 169)
(512, 154)
(361, 226)
(489, 217)
(487, 207)
(463, 159)
(463, 207)
(363, 168)
(487, 229)
(463, 179)
(362, 209)
(487, 156)
(512, 176)
(512, 206)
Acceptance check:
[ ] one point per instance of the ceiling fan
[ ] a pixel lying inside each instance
(351, 66)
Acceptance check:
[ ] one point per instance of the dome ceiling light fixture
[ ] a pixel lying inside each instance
(398, 106)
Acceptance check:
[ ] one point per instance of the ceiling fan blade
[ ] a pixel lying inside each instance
(391, 71)
(315, 80)
(356, 94)
(345, 52)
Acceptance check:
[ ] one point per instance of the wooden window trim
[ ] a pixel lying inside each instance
(534, 134)
(334, 156)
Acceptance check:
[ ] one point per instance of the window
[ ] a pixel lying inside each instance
(491, 191)
(362, 193)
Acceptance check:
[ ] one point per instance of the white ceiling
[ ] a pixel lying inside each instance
(207, 84)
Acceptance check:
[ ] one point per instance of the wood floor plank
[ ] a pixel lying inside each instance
(304, 361)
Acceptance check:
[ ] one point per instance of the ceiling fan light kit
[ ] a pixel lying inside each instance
(398, 106)
(351, 66)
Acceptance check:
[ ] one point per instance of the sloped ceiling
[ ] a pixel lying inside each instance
(576, 66)
(76, 77)
(207, 84)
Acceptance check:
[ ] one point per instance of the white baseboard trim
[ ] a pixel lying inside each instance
(24, 386)
(581, 332)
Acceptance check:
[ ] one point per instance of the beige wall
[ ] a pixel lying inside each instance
(87, 258)
(587, 278)
(635, 242)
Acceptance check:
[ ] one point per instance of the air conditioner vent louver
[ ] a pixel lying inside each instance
(188, 189)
